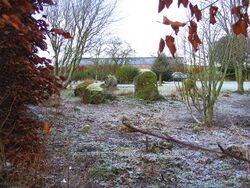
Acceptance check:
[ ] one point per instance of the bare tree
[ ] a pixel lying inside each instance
(96, 53)
(119, 51)
(202, 90)
(241, 51)
(86, 20)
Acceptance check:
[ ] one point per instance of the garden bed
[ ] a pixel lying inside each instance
(89, 146)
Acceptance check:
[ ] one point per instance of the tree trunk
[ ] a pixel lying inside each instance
(209, 115)
(160, 79)
(240, 80)
(56, 66)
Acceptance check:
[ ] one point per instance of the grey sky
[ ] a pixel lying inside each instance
(140, 24)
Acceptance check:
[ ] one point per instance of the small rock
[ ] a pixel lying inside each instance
(197, 128)
(85, 129)
(238, 151)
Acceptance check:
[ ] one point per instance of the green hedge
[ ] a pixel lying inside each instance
(89, 72)
(126, 74)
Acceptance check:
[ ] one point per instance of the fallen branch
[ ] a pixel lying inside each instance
(125, 121)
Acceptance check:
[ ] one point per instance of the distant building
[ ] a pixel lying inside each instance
(139, 62)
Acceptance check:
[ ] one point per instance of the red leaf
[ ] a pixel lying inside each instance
(168, 3)
(13, 20)
(246, 18)
(195, 11)
(46, 127)
(166, 21)
(61, 32)
(161, 5)
(27, 7)
(161, 45)
(6, 3)
(240, 27)
(212, 12)
(236, 11)
(184, 2)
(193, 36)
(193, 27)
(170, 44)
(62, 78)
(175, 25)
(245, 3)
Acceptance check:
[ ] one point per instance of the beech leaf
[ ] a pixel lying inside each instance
(161, 45)
(245, 3)
(7, 3)
(236, 11)
(161, 5)
(168, 3)
(170, 44)
(240, 27)
(195, 11)
(212, 12)
(61, 32)
(184, 2)
(193, 36)
(175, 25)
(46, 127)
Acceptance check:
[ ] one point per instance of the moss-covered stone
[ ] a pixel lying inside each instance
(80, 89)
(110, 82)
(146, 86)
(197, 128)
(85, 129)
(94, 93)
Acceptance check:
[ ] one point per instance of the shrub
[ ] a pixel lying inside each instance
(79, 90)
(166, 76)
(88, 73)
(26, 79)
(93, 71)
(146, 86)
(161, 66)
(126, 74)
(94, 93)
(189, 84)
(110, 82)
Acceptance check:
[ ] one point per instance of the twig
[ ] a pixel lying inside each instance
(181, 143)
(8, 114)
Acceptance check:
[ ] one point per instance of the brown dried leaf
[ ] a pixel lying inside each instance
(236, 11)
(184, 2)
(6, 3)
(161, 5)
(193, 36)
(168, 3)
(27, 7)
(166, 21)
(246, 18)
(170, 44)
(195, 11)
(13, 20)
(175, 25)
(212, 12)
(193, 27)
(161, 45)
(240, 27)
(245, 3)
(61, 32)
(46, 127)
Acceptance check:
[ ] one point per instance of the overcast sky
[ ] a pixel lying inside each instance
(140, 25)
